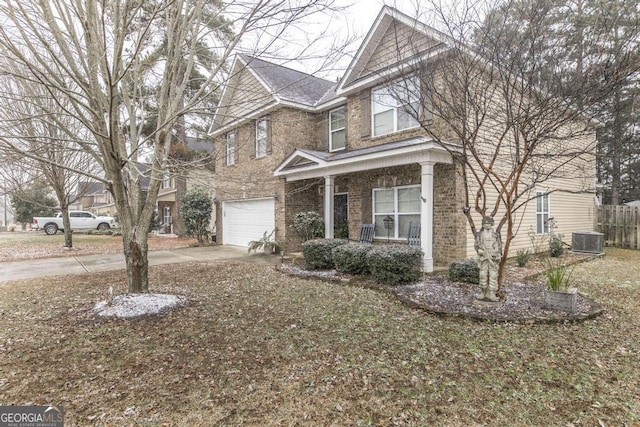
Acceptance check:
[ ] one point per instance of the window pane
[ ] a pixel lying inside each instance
(409, 199)
(337, 119)
(261, 138)
(403, 224)
(383, 201)
(383, 123)
(406, 117)
(539, 225)
(383, 100)
(380, 230)
(231, 148)
(338, 139)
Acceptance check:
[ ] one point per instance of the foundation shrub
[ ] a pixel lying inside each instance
(465, 270)
(394, 264)
(351, 259)
(317, 253)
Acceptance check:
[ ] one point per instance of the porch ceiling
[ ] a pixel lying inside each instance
(307, 164)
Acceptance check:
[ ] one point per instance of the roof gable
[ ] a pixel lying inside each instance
(394, 40)
(243, 93)
(257, 85)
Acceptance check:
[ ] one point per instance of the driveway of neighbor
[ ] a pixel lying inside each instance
(18, 270)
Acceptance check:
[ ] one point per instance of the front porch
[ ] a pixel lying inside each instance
(407, 181)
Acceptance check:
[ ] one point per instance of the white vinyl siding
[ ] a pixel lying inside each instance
(393, 106)
(400, 203)
(261, 137)
(337, 129)
(542, 212)
(231, 148)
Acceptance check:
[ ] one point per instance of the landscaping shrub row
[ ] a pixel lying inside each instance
(387, 264)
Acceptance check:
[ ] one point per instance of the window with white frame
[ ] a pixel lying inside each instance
(166, 181)
(402, 204)
(337, 129)
(542, 212)
(231, 148)
(166, 215)
(261, 137)
(394, 106)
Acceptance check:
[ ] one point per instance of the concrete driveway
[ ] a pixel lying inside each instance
(18, 270)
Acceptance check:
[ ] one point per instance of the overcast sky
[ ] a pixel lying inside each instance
(354, 22)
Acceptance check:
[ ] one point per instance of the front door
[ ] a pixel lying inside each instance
(340, 216)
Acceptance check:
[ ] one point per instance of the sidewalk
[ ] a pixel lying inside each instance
(43, 267)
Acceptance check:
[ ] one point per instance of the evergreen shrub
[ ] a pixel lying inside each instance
(352, 258)
(465, 270)
(317, 253)
(394, 264)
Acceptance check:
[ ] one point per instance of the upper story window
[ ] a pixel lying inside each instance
(166, 181)
(394, 106)
(231, 148)
(261, 137)
(337, 129)
(542, 212)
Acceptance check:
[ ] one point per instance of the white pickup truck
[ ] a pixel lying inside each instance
(80, 220)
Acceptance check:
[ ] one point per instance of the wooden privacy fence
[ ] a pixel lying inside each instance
(620, 225)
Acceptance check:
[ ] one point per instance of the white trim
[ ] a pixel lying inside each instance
(396, 212)
(343, 128)
(317, 168)
(226, 148)
(264, 120)
(394, 108)
(541, 195)
(392, 14)
(271, 107)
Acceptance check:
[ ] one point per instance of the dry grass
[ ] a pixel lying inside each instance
(257, 347)
(20, 246)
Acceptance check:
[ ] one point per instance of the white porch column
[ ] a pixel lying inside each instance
(426, 216)
(328, 206)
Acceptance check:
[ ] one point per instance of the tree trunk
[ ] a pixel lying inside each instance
(135, 252)
(66, 224)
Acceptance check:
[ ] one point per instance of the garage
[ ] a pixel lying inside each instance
(246, 220)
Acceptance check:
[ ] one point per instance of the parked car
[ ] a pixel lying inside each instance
(80, 220)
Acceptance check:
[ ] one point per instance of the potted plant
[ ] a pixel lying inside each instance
(266, 243)
(559, 295)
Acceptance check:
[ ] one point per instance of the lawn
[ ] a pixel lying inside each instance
(20, 246)
(257, 347)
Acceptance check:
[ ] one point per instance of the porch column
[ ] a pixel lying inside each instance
(426, 216)
(328, 206)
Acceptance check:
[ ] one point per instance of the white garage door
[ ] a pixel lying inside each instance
(247, 220)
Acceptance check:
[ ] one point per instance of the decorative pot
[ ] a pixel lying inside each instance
(561, 300)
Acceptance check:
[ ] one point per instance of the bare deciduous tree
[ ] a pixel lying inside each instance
(47, 143)
(102, 58)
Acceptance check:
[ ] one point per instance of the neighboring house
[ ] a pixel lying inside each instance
(94, 197)
(179, 181)
(634, 203)
(291, 142)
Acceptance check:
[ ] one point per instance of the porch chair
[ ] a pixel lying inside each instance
(366, 233)
(413, 238)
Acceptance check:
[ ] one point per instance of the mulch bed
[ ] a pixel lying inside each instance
(523, 295)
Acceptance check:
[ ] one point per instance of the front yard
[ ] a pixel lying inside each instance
(258, 347)
(20, 246)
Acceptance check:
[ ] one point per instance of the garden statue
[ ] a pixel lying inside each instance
(489, 248)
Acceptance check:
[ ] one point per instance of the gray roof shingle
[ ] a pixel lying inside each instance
(291, 85)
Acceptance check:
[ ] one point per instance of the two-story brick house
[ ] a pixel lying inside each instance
(291, 142)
